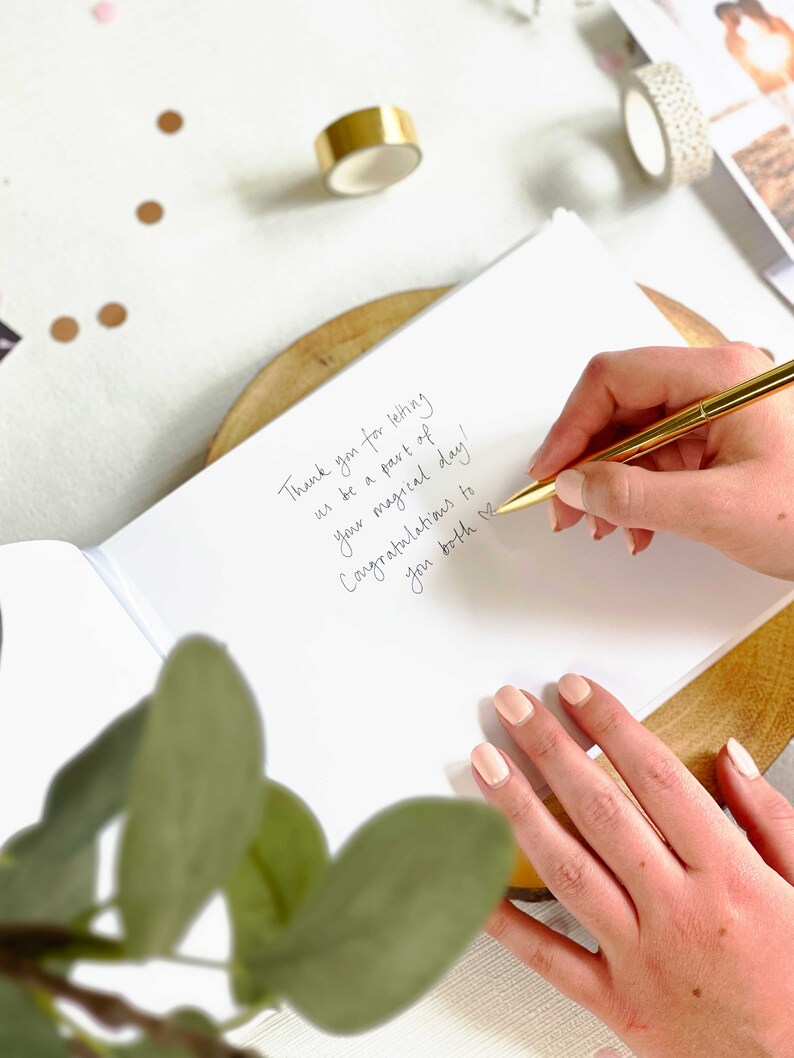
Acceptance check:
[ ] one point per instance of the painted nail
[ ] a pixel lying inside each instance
(631, 543)
(592, 526)
(570, 488)
(552, 513)
(742, 760)
(533, 460)
(574, 689)
(514, 706)
(490, 764)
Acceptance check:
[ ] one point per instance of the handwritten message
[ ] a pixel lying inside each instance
(396, 501)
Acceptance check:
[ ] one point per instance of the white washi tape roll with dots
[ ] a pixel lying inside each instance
(666, 126)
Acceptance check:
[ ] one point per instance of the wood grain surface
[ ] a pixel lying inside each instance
(749, 693)
(318, 355)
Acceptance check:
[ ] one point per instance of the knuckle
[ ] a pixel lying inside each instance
(741, 350)
(547, 743)
(622, 496)
(601, 809)
(624, 1013)
(662, 772)
(597, 367)
(740, 356)
(568, 878)
(746, 875)
(540, 959)
(740, 881)
(605, 722)
(498, 925)
(779, 813)
(519, 810)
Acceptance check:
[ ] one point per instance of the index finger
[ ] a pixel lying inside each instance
(662, 378)
(685, 814)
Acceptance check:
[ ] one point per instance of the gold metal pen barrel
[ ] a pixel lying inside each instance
(662, 433)
(748, 392)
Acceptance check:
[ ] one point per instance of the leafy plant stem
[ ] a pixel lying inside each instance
(195, 960)
(112, 1011)
(84, 920)
(79, 1049)
(76, 1032)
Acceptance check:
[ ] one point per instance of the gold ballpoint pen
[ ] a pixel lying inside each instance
(661, 433)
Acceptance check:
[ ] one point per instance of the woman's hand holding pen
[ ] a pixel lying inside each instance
(729, 484)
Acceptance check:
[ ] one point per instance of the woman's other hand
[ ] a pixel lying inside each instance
(694, 921)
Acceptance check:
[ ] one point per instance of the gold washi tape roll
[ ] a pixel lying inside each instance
(368, 150)
(667, 128)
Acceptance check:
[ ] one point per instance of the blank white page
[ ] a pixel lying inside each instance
(71, 661)
(348, 556)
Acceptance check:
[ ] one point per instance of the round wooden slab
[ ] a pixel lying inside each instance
(317, 356)
(748, 694)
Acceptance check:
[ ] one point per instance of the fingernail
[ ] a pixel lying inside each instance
(592, 526)
(490, 764)
(533, 460)
(742, 760)
(514, 706)
(631, 543)
(574, 689)
(552, 513)
(570, 488)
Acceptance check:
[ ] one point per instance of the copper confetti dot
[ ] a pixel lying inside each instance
(112, 314)
(149, 212)
(64, 329)
(169, 121)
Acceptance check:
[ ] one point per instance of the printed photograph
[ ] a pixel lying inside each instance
(768, 163)
(750, 44)
(739, 58)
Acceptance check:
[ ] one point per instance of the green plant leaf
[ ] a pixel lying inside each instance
(399, 904)
(92, 788)
(195, 795)
(25, 1030)
(270, 883)
(193, 1018)
(35, 887)
(47, 871)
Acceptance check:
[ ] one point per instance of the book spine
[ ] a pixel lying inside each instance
(145, 619)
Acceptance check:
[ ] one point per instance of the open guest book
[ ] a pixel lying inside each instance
(349, 556)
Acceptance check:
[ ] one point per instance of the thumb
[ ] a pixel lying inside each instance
(758, 808)
(692, 503)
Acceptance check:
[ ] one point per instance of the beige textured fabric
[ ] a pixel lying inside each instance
(488, 1005)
